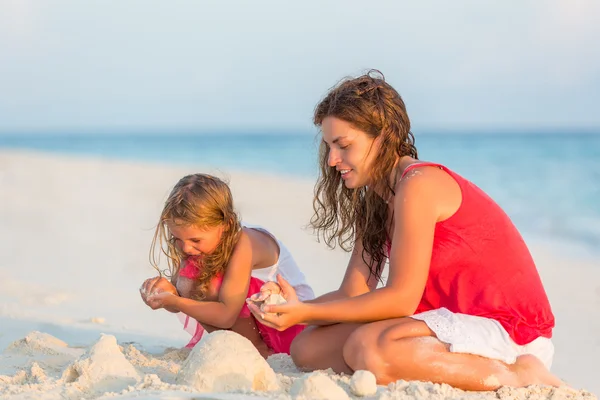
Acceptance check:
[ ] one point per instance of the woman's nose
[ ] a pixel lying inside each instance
(333, 158)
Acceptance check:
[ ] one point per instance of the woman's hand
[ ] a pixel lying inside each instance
(280, 316)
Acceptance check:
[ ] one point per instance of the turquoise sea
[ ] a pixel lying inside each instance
(549, 184)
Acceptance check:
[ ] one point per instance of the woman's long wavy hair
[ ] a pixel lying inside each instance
(342, 215)
(202, 201)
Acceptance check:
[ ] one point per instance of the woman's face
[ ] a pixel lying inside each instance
(351, 151)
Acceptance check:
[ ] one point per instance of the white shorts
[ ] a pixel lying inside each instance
(482, 336)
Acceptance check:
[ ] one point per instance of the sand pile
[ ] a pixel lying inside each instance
(225, 362)
(223, 365)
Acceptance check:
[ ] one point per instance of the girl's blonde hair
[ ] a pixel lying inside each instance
(202, 201)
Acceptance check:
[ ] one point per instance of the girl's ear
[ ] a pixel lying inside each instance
(230, 222)
(225, 226)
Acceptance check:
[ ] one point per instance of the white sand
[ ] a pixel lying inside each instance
(74, 240)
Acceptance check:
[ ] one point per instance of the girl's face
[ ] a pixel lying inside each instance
(193, 241)
(351, 151)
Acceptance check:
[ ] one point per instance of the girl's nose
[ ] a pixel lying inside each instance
(187, 249)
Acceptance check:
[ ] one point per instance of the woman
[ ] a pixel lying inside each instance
(463, 303)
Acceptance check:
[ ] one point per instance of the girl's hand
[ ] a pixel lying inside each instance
(155, 285)
(281, 316)
(166, 300)
(265, 291)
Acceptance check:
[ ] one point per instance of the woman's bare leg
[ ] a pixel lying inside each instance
(405, 348)
(320, 347)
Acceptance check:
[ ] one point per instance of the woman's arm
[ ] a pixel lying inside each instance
(232, 294)
(356, 279)
(419, 203)
(330, 296)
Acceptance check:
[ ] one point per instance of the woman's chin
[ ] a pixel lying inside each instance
(350, 183)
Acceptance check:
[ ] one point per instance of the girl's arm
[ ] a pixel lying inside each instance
(232, 294)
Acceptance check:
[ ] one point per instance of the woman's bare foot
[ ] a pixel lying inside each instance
(529, 370)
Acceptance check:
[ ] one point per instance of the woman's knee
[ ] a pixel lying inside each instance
(367, 347)
(361, 348)
(300, 349)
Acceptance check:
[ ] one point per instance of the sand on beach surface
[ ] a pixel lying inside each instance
(74, 239)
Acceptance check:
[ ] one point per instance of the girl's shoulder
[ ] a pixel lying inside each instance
(245, 238)
(264, 246)
(257, 237)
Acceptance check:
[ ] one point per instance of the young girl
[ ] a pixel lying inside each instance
(216, 263)
(463, 303)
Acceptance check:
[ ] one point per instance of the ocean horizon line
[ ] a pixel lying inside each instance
(291, 132)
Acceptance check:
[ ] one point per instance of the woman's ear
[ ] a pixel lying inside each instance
(378, 141)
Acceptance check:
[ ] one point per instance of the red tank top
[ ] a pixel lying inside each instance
(481, 266)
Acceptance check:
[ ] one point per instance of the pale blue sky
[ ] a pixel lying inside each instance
(85, 66)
